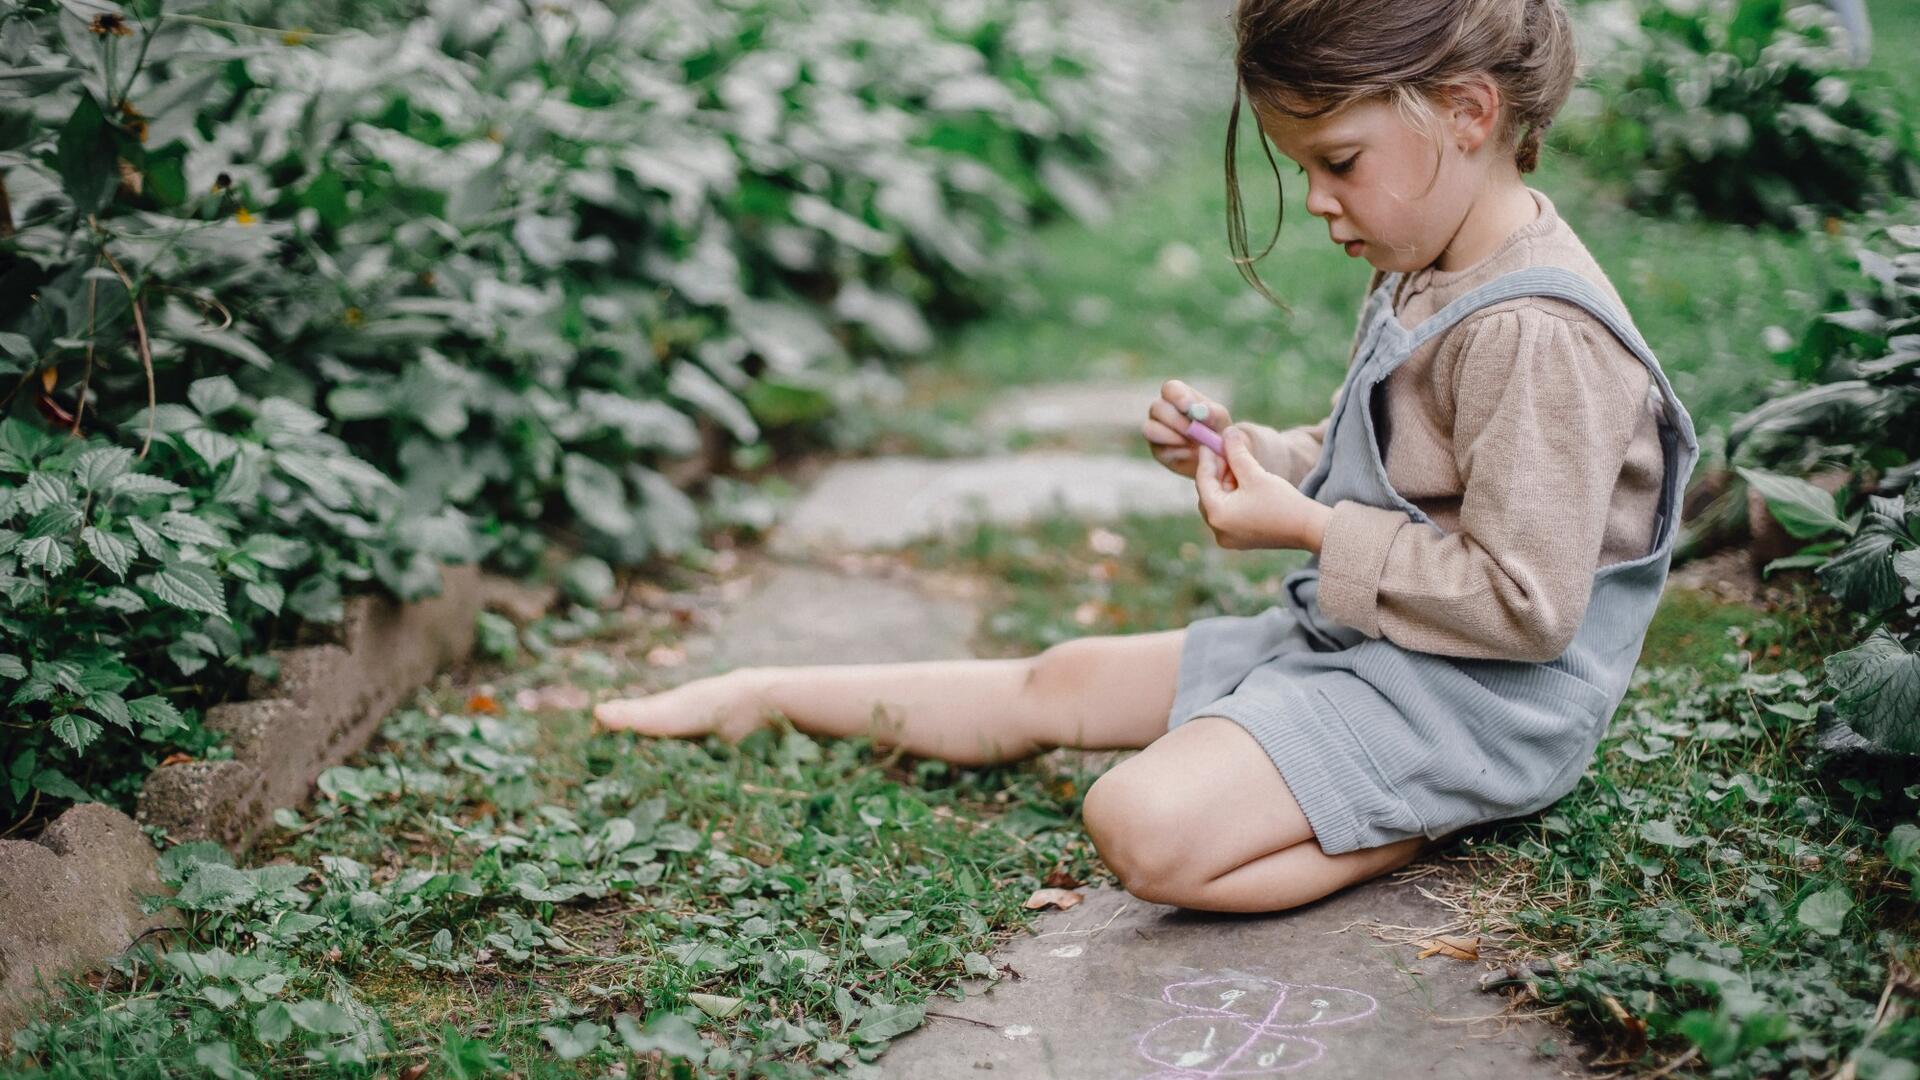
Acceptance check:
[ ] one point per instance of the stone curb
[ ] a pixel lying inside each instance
(326, 704)
(69, 900)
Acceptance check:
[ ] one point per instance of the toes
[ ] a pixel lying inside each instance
(620, 713)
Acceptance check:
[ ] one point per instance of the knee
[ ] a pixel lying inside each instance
(1137, 835)
(1058, 670)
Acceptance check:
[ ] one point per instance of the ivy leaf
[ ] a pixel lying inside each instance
(1662, 832)
(596, 493)
(886, 951)
(267, 594)
(886, 1020)
(190, 530)
(55, 783)
(102, 466)
(143, 484)
(584, 1038)
(213, 446)
(111, 708)
(193, 588)
(113, 552)
(669, 1033)
(221, 1061)
(1802, 509)
(150, 541)
(276, 552)
(1826, 910)
(155, 712)
(272, 1023)
(47, 553)
(75, 730)
(11, 667)
(214, 395)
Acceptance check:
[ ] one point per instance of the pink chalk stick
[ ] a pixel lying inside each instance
(1201, 433)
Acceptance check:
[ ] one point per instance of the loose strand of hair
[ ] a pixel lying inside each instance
(1236, 208)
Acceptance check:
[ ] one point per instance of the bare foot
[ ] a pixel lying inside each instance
(724, 705)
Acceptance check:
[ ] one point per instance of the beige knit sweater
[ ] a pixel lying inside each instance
(1529, 434)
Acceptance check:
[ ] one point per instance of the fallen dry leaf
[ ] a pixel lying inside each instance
(483, 703)
(178, 757)
(1060, 898)
(415, 1071)
(1456, 948)
(1060, 879)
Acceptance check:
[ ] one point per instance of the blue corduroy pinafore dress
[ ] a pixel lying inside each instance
(1380, 743)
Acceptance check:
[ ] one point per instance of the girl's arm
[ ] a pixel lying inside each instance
(1544, 411)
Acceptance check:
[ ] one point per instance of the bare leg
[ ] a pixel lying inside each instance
(1110, 692)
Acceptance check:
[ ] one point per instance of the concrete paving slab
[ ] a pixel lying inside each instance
(1094, 408)
(885, 503)
(1121, 989)
(807, 615)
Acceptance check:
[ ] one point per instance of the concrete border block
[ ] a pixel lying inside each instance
(325, 705)
(70, 899)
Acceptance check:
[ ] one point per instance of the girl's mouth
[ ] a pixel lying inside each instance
(1354, 246)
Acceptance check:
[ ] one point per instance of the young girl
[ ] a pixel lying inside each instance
(1491, 508)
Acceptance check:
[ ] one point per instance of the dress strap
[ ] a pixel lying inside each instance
(1554, 281)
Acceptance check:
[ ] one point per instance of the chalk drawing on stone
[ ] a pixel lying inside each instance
(1247, 1026)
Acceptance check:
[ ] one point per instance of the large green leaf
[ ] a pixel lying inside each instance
(1802, 509)
(1878, 683)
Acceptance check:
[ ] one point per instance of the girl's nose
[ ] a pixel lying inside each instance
(1319, 203)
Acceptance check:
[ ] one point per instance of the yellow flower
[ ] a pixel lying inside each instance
(243, 216)
(296, 36)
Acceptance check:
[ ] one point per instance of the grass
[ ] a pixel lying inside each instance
(491, 888)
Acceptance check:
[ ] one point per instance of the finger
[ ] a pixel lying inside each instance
(1240, 452)
(1165, 428)
(1168, 417)
(1206, 476)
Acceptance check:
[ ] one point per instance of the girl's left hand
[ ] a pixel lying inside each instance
(1248, 507)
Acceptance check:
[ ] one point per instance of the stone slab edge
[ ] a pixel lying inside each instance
(326, 704)
(70, 899)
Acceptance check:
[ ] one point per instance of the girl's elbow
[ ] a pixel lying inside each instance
(1549, 636)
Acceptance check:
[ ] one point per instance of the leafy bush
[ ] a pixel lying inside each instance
(1863, 417)
(435, 289)
(1738, 110)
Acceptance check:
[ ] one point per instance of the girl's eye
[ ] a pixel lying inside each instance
(1343, 166)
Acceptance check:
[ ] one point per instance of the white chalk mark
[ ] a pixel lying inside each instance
(1016, 1031)
(1068, 951)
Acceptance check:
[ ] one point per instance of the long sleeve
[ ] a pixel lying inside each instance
(1291, 453)
(1543, 417)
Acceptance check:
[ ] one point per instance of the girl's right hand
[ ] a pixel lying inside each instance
(1166, 426)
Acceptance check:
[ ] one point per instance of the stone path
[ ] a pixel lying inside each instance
(1121, 988)
(1115, 987)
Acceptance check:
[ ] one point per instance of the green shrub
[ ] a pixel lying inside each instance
(1737, 110)
(469, 277)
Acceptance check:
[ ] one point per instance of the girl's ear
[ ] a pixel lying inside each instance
(1475, 110)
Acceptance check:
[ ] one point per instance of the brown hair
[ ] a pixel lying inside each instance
(1309, 58)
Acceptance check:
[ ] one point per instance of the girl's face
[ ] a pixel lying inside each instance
(1368, 175)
